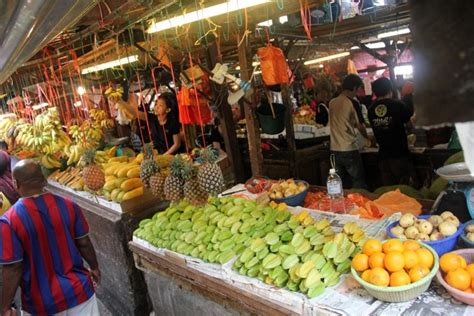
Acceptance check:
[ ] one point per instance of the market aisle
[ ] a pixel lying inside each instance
(103, 309)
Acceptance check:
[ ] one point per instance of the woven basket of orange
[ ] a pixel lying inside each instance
(456, 274)
(395, 270)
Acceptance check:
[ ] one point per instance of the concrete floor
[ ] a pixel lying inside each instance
(103, 309)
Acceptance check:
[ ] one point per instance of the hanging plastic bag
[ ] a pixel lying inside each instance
(273, 65)
(193, 106)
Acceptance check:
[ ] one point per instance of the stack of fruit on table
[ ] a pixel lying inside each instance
(115, 178)
(438, 231)
(268, 242)
(395, 270)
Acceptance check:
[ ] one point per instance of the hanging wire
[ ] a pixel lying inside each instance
(197, 99)
(144, 107)
(280, 4)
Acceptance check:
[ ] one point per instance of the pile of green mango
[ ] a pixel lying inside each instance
(268, 242)
(302, 258)
(215, 232)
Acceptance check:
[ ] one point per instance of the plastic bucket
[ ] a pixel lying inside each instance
(269, 124)
(295, 200)
(440, 246)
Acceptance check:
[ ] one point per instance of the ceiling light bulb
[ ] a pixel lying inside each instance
(205, 13)
(110, 64)
(319, 60)
(394, 33)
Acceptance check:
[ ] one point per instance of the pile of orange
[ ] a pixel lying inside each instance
(457, 272)
(394, 263)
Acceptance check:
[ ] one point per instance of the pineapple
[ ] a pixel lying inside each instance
(148, 166)
(210, 176)
(93, 175)
(192, 190)
(173, 188)
(157, 183)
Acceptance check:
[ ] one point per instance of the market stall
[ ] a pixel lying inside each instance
(214, 287)
(145, 113)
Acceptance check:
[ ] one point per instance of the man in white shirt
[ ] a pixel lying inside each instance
(345, 118)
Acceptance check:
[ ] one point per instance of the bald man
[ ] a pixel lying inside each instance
(43, 244)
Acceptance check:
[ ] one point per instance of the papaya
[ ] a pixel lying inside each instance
(131, 184)
(133, 193)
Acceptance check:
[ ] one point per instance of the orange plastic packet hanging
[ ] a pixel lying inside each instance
(273, 65)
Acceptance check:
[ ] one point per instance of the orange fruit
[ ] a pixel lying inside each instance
(399, 278)
(411, 259)
(366, 275)
(411, 245)
(376, 260)
(469, 268)
(425, 257)
(468, 290)
(379, 276)
(450, 261)
(472, 282)
(394, 261)
(418, 272)
(360, 262)
(372, 246)
(392, 245)
(459, 279)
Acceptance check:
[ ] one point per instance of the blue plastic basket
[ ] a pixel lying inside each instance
(467, 242)
(440, 246)
(295, 200)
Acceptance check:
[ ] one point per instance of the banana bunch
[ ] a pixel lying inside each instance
(107, 123)
(100, 158)
(50, 162)
(7, 128)
(97, 115)
(75, 132)
(114, 93)
(48, 121)
(74, 152)
(88, 133)
(99, 118)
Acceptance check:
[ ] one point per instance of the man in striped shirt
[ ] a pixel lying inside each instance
(43, 241)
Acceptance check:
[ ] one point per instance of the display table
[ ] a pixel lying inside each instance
(183, 285)
(123, 288)
(177, 289)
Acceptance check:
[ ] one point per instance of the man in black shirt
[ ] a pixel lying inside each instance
(387, 117)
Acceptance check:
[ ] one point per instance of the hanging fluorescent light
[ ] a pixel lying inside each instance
(209, 12)
(374, 45)
(266, 23)
(320, 60)
(283, 19)
(394, 33)
(110, 64)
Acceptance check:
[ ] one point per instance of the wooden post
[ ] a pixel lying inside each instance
(227, 120)
(253, 130)
(289, 128)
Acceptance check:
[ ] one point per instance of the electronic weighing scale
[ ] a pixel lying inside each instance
(459, 196)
